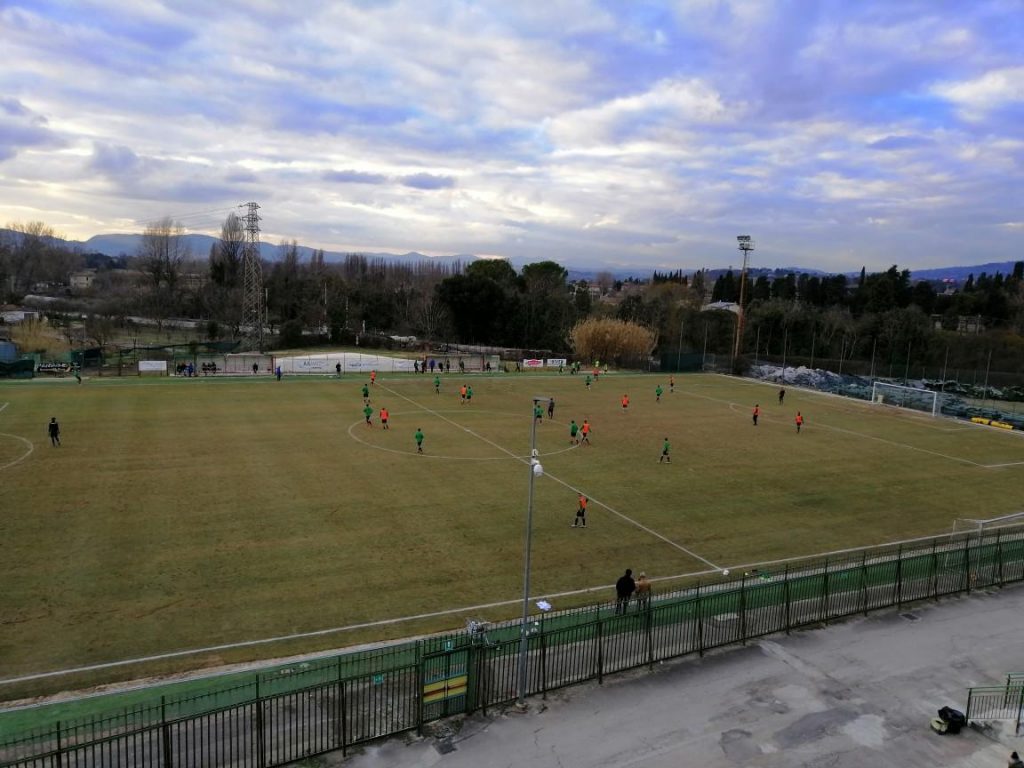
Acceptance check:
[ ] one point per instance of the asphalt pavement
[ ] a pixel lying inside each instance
(859, 693)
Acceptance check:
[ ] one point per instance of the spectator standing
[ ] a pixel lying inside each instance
(643, 592)
(624, 589)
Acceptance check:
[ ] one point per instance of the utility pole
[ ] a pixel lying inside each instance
(746, 244)
(253, 306)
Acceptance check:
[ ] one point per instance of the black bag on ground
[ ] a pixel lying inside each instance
(953, 718)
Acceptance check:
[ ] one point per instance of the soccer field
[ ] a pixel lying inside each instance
(181, 514)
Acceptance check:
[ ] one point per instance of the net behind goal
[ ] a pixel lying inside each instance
(915, 398)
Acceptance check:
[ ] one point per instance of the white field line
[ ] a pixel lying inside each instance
(354, 428)
(599, 503)
(398, 620)
(923, 419)
(893, 443)
(26, 441)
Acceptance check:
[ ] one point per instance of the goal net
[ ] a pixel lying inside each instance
(978, 532)
(914, 398)
(977, 527)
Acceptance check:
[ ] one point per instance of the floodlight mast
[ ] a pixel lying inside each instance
(746, 244)
(536, 470)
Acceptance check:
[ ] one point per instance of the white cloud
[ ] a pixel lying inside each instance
(978, 96)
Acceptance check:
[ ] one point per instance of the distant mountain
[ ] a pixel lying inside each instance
(128, 245)
(117, 245)
(961, 273)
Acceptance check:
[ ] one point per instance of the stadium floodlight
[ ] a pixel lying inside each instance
(536, 470)
(746, 245)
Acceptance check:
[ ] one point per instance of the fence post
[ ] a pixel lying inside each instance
(899, 576)
(935, 569)
(421, 675)
(999, 555)
(543, 659)
(864, 580)
(60, 748)
(967, 562)
(600, 653)
(165, 732)
(785, 586)
(700, 622)
(823, 609)
(743, 608)
(650, 640)
(261, 758)
(484, 657)
(970, 696)
(341, 710)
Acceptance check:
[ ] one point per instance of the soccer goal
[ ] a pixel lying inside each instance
(916, 399)
(979, 532)
(968, 525)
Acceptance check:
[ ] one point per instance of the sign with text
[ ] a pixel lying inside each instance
(556, 362)
(152, 366)
(533, 363)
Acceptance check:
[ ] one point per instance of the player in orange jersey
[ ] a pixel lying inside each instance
(581, 513)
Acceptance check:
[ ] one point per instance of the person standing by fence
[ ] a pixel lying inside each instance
(643, 592)
(624, 589)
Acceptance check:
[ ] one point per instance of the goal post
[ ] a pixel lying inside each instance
(979, 527)
(914, 398)
(976, 533)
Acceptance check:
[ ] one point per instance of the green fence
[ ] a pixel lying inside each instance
(334, 703)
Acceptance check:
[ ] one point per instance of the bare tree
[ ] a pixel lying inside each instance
(163, 252)
(226, 253)
(604, 281)
(431, 316)
(31, 255)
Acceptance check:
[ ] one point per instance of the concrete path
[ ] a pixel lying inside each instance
(859, 693)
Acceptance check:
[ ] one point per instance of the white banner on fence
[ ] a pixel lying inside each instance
(349, 362)
(556, 362)
(533, 363)
(152, 366)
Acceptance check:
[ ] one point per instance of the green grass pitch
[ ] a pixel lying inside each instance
(181, 514)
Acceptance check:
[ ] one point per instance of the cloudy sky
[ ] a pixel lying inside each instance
(837, 133)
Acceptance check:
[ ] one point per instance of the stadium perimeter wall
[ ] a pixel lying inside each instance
(338, 702)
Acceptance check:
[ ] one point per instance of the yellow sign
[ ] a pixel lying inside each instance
(445, 689)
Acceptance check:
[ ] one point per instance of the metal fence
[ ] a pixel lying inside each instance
(1005, 702)
(351, 699)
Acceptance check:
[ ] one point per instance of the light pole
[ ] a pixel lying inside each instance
(746, 244)
(536, 470)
